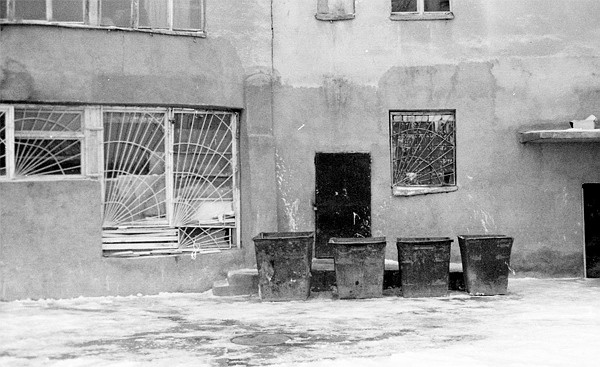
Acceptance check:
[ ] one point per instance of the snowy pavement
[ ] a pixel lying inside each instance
(539, 323)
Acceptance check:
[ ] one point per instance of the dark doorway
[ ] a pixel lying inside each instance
(591, 218)
(342, 198)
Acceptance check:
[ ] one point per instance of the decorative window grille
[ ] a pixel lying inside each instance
(165, 15)
(170, 181)
(423, 148)
(41, 141)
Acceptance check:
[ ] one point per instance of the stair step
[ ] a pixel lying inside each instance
(222, 288)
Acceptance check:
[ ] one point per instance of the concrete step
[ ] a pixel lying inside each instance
(239, 282)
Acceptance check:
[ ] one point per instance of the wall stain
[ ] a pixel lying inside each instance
(16, 83)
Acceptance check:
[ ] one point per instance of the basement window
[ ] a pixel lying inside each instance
(183, 16)
(423, 152)
(421, 10)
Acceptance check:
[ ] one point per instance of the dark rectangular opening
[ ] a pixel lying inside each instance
(342, 198)
(591, 220)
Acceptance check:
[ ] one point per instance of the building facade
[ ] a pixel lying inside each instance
(142, 147)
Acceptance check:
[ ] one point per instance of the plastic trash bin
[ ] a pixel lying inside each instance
(486, 261)
(283, 260)
(424, 266)
(359, 266)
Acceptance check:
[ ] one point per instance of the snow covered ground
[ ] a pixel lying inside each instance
(540, 323)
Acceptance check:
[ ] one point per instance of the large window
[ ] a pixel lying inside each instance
(423, 154)
(421, 9)
(168, 176)
(152, 15)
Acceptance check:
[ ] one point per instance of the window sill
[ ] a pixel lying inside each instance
(199, 34)
(445, 15)
(421, 190)
(332, 17)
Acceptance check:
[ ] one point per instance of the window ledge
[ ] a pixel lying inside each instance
(438, 15)
(421, 190)
(332, 17)
(199, 34)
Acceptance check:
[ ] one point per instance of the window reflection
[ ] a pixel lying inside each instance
(404, 5)
(437, 5)
(30, 9)
(67, 10)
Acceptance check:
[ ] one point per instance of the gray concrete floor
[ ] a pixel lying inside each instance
(539, 323)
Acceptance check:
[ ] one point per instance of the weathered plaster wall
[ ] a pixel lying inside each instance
(505, 66)
(50, 235)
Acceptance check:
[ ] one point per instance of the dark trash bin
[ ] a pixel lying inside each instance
(486, 261)
(424, 266)
(359, 265)
(283, 260)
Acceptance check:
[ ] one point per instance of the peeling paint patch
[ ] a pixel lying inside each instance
(290, 204)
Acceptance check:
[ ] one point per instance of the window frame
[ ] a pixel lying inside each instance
(412, 190)
(92, 13)
(421, 14)
(84, 136)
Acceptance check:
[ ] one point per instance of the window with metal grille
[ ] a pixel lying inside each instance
(153, 15)
(170, 181)
(41, 141)
(169, 176)
(423, 154)
(421, 9)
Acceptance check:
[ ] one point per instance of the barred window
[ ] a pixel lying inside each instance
(423, 153)
(41, 141)
(169, 176)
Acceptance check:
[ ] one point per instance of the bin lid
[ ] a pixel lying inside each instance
(283, 235)
(355, 240)
(482, 236)
(423, 239)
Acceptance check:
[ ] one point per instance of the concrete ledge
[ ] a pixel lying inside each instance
(560, 136)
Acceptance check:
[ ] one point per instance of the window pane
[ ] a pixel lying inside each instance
(154, 14)
(2, 144)
(187, 14)
(134, 168)
(30, 9)
(437, 5)
(44, 142)
(3, 9)
(67, 10)
(47, 157)
(116, 13)
(404, 5)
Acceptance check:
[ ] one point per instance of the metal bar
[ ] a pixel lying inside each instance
(236, 174)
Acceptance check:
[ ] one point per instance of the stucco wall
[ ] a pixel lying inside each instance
(51, 247)
(505, 66)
